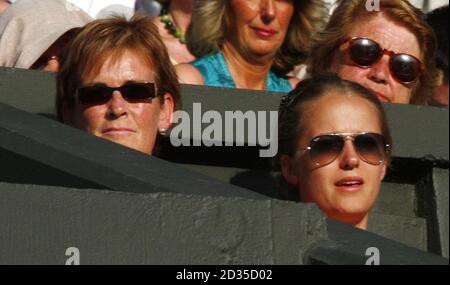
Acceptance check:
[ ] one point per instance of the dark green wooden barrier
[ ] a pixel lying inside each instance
(412, 209)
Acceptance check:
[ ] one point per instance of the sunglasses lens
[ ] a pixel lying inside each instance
(364, 52)
(325, 149)
(370, 148)
(97, 95)
(405, 68)
(94, 95)
(138, 91)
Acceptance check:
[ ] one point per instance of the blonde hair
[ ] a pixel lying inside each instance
(211, 22)
(99, 40)
(347, 14)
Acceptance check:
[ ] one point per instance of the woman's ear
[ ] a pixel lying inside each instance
(288, 170)
(383, 171)
(166, 113)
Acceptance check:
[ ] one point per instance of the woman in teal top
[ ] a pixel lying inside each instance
(250, 44)
(215, 72)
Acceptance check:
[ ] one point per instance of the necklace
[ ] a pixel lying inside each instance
(170, 26)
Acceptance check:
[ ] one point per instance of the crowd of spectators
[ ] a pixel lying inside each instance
(118, 77)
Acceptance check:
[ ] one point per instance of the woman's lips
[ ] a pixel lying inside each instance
(264, 33)
(117, 131)
(350, 184)
(381, 97)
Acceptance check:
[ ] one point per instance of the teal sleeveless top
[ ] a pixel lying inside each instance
(215, 73)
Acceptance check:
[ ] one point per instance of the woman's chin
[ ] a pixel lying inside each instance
(348, 215)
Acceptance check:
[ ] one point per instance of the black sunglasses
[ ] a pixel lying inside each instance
(365, 52)
(132, 92)
(370, 147)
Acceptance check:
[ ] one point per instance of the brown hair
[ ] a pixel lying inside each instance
(99, 40)
(346, 16)
(293, 105)
(211, 22)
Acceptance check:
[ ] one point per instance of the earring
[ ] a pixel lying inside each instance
(163, 131)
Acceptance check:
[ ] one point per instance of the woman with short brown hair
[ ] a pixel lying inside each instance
(116, 82)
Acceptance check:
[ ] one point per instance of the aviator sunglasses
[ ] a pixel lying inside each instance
(370, 147)
(134, 91)
(365, 52)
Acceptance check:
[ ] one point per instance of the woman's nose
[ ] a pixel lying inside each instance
(268, 11)
(380, 72)
(117, 105)
(349, 158)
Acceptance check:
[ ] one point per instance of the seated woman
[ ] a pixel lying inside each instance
(390, 52)
(34, 34)
(334, 146)
(117, 83)
(250, 44)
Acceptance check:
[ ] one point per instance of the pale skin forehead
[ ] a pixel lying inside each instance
(128, 66)
(389, 34)
(339, 113)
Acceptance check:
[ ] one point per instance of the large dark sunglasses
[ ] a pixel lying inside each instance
(370, 147)
(365, 52)
(132, 92)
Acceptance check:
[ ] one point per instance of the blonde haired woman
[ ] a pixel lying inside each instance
(250, 44)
